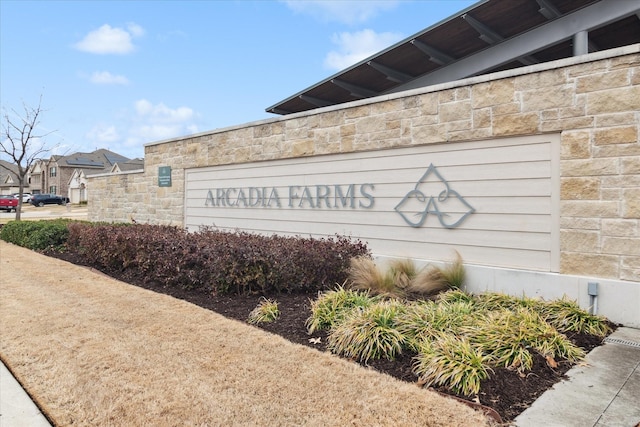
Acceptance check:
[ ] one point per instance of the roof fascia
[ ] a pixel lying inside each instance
(550, 33)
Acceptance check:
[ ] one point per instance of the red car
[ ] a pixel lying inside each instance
(8, 203)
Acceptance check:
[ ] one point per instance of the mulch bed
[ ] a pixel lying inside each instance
(506, 391)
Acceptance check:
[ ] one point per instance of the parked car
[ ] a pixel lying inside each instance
(25, 197)
(8, 202)
(48, 199)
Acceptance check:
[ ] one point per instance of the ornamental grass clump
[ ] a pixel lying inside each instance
(498, 301)
(266, 311)
(426, 320)
(331, 307)
(451, 361)
(507, 337)
(403, 279)
(454, 273)
(365, 275)
(567, 316)
(369, 333)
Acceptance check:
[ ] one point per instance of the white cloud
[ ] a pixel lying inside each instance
(103, 134)
(162, 113)
(106, 78)
(354, 47)
(153, 122)
(110, 40)
(348, 12)
(148, 122)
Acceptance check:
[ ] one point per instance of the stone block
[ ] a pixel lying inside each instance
(493, 93)
(616, 119)
(424, 120)
(481, 118)
(617, 150)
(621, 245)
(580, 223)
(386, 106)
(630, 269)
(627, 61)
(616, 135)
(515, 124)
(357, 112)
(575, 145)
(294, 133)
(331, 118)
(502, 109)
(550, 115)
(540, 80)
(455, 111)
(582, 264)
(631, 203)
(428, 134)
(621, 181)
(630, 165)
(587, 68)
(611, 194)
(446, 96)
(589, 167)
(547, 98)
(620, 227)
(579, 241)
(370, 125)
(346, 144)
(429, 103)
(271, 145)
(614, 100)
(587, 188)
(303, 148)
(589, 209)
(470, 135)
(569, 112)
(567, 123)
(458, 125)
(410, 102)
(602, 81)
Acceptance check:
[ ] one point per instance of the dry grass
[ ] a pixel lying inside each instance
(95, 351)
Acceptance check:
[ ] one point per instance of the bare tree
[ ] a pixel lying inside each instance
(21, 144)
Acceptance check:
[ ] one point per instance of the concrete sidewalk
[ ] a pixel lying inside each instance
(16, 407)
(604, 391)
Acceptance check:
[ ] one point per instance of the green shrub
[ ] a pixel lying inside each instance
(215, 261)
(36, 235)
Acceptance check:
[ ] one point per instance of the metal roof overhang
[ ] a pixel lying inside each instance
(489, 36)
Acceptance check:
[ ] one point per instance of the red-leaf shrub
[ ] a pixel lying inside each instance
(215, 261)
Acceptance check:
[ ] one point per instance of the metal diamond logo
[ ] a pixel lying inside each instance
(432, 195)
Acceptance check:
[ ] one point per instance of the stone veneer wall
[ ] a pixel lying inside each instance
(592, 101)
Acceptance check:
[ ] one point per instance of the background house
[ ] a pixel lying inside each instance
(66, 175)
(9, 179)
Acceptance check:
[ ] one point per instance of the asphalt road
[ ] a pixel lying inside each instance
(30, 212)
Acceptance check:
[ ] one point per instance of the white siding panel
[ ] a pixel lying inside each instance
(509, 183)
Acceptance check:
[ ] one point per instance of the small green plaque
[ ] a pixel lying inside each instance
(164, 176)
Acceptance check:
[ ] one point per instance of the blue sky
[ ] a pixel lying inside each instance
(120, 74)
